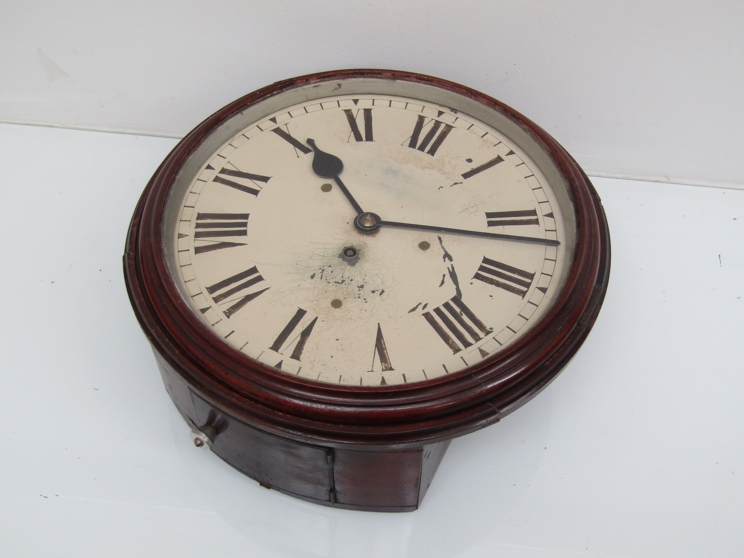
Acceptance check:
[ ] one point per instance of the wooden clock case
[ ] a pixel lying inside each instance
(344, 446)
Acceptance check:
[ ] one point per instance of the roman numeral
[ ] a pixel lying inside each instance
(211, 227)
(505, 218)
(504, 276)
(298, 145)
(287, 331)
(251, 187)
(455, 319)
(381, 353)
(351, 117)
(484, 166)
(223, 292)
(421, 123)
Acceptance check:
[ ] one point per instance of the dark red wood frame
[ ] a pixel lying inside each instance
(401, 416)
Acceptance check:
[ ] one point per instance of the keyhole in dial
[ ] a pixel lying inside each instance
(350, 255)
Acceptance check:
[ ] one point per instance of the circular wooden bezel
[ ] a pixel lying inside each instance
(394, 416)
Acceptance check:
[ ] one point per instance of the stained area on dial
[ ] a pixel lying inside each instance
(449, 260)
(333, 303)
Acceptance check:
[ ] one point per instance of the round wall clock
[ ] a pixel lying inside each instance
(341, 272)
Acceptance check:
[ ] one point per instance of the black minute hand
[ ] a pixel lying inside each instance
(546, 241)
(329, 166)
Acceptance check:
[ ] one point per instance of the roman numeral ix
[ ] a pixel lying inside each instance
(287, 331)
(367, 123)
(456, 324)
(504, 276)
(250, 182)
(212, 227)
(223, 292)
(421, 123)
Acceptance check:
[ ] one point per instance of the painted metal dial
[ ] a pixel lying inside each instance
(367, 239)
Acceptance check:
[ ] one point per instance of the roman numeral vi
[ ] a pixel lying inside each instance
(381, 352)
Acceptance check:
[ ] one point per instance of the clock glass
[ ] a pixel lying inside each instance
(379, 234)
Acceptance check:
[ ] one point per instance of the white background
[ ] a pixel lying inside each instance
(635, 450)
(640, 88)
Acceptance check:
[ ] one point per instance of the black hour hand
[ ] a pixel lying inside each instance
(326, 165)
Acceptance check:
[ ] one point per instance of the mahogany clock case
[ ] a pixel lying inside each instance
(197, 366)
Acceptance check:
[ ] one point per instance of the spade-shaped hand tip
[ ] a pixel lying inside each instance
(325, 164)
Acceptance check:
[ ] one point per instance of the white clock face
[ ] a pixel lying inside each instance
(266, 252)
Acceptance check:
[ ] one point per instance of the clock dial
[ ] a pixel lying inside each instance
(368, 240)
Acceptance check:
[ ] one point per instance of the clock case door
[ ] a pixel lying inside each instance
(372, 479)
(275, 420)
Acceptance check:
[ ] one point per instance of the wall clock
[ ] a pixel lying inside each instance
(341, 272)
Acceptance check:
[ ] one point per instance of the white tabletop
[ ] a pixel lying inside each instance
(636, 449)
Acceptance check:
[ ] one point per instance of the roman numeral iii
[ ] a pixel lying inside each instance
(367, 124)
(235, 292)
(250, 183)
(431, 134)
(211, 228)
(504, 276)
(456, 324)
(304, 335)
(506, 218)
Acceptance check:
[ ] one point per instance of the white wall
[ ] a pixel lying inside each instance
(648, 89)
